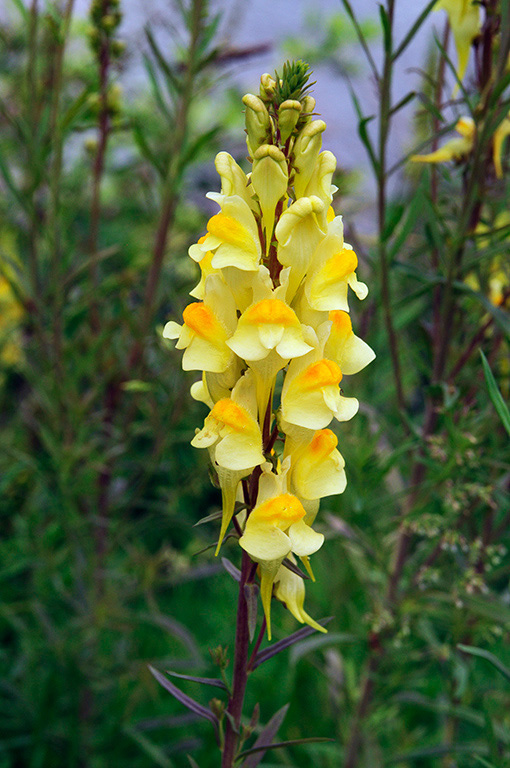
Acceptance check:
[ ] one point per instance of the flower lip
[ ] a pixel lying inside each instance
(271, 311)
(201, 320)
(340, 266)
(282, 511)
(231, 231)
(342, 324)
(231, 415)
(323, 443)
(324, 373)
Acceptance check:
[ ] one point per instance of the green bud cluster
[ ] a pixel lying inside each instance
(105, 17)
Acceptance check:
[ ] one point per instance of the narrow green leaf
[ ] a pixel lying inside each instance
(402, 103)
(361, 38)
(22, 10)
(473, 748)
(150, 749)
(173, 84)
(156, 90)
(188, 702)
(201, 680)
(499, 404)
(392, 220)
(487, 655)
(362, 131)
(501, 318)
(414, 29)
(315, 643)
(192, 762)
(386, 28)
(281, 645)
(291, 743)
(192, 151)
(484, 762)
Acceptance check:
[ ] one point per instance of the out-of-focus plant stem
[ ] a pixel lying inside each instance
(54, 218)
(103, 130)
(444, 310)
(31, 102)
(168, 207)
(171, 183)
(382, 178)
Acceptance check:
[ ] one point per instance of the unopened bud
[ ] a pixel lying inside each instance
(217, 707)
(308, 105)
(288, 115)
(258, 123)
(267, 86)
(269, 178)
(306, 151)
(219, 656)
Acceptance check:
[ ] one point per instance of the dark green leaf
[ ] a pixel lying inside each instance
(386, 28)
(474, 748)
(488, 656)
(152, 750)
(209, 518)
(497, 400)
(402, 103)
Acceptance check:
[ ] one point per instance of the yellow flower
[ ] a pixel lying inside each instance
(311, 393)
(455, 149)
(273, 301)
(343, 346)
(233, 235)
(273, 530)
(232, 434)
(318, 468)
(290, 590)
(207, 326)
(299, 233)
(332, 271)
(464, 18)
(500, 134)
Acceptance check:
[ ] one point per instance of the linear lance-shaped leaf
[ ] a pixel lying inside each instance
(188, 702)
(265, 737)
(275, 648)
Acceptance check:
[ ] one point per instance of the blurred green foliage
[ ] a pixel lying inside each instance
(100, 488)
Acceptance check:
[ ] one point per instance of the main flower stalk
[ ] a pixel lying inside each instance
(271, 333)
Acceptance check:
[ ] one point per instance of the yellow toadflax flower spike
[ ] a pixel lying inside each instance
(272, 335)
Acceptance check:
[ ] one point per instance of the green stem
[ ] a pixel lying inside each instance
(103, 130)
(384, 128)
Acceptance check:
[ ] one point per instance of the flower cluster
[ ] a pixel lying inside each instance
(271, 332)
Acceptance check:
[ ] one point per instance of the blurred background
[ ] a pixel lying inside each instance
(111, 114)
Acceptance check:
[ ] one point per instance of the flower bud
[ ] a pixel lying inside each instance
(306, 151)
(308, 104)
(288, 115)
(258, 123)
(270, 178)
(267, 86)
